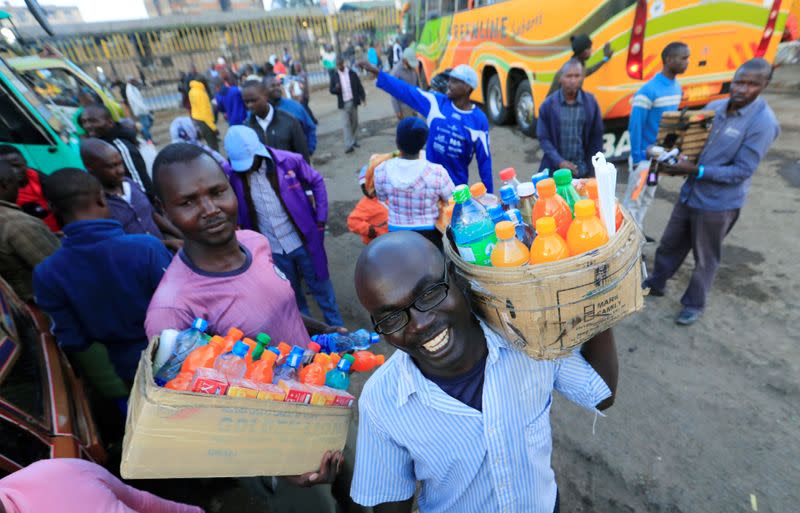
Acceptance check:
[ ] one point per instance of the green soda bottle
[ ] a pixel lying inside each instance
(564, 188)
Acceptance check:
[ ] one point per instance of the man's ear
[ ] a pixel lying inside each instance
(100, 199)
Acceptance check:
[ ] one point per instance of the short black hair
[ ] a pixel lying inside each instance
(671, 49)
(175, 153)
(258, 84)
(6, 171)
(69, 189)
(755, 65)
(572, 62)
(7, 149)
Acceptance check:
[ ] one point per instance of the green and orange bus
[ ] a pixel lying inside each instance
(517, 46)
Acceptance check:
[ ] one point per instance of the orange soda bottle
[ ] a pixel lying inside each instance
(181, 381)
(234, 335)
(334, 361)
(591, 191)
(261, 371)
(365, 361)
(509, 251)
(587, 231)
(552, 205)
(203, 356)
(548, 246)
(314, 373)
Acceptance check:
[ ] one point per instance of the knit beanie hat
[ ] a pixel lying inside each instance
(580, 43)
(412, 134)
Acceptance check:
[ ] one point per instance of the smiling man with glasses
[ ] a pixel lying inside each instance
(458, 409)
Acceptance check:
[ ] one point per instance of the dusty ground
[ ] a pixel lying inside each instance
(707, 418)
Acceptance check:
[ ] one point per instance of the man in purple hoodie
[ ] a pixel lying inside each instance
(229, 101)
(271, 187)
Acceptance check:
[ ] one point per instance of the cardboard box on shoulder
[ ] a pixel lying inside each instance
(172, 434)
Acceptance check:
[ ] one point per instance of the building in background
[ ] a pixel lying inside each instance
(56, 14)
(192, 7)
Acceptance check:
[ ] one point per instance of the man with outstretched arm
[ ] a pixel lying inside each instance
(457, 408)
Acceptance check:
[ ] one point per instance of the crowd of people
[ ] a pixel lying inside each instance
(234, 233)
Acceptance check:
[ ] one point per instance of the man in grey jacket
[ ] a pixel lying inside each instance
(406, 70)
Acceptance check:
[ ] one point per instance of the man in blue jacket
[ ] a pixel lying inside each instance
(570, 127)
(716, 187)
(458, 129)
(97, 286)
(230, 102)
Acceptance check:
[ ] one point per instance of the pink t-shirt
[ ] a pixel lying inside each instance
(78, 486)
(256, 298)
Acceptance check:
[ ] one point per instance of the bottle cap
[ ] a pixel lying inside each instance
(496, 212)
(322, 358)
(515, 216)
(284, 348)
(215, 340)
(545, 225)
(584, 208)
(314, 338)
(270, 355)
(563, 177)
(200, 324)
(461, 194)
(525, 189)
(374, 338)
(314, 347)
(508, 194)
(298, 350)
(250, 342)
(240, 349)
(591, 188)
(380, 359)
(273, 350)
(294, 360)
(546, 187)
(504, 230)
(263, 338)
(344, 364)
(235, 333)
(538, 177)
(477, 189)
(508, 173)
(349, 357)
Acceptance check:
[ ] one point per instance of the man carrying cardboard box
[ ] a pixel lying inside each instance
(458, 408)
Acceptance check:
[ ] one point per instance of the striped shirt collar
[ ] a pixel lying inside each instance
(411, 381)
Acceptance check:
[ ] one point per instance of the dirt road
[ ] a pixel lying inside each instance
(708, 417)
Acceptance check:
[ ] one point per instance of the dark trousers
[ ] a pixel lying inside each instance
(210, 136)
(700, 231)
(434, 236)
(297, 266)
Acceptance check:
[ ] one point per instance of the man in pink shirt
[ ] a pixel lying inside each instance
(223, 275)
(77, 486)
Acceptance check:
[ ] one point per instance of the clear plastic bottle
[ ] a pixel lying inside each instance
(232, 364)
(538, 177)
(498, 214)
(186, 341)
(479, 194)
(509, 251)
(524, 232)
(472, 228)
(526, 192)
(508, 195)
(288, 371)
(310, 352)
(509, 177)
(341, 343)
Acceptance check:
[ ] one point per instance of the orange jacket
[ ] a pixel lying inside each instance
(368, 212)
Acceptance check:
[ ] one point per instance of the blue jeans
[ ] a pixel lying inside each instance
(296, 266)
(146, 120)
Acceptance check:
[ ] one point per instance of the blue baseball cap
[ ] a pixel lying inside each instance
(465, 74)
(242, 145)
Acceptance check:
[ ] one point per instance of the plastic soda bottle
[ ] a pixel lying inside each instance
(234, 335)
(364, 361)
(508, 195)
(339, 343)
(472, 228)
(509, 251)
(587, 231)
(333, 362)
(498, 214)
(552, 205)
(538, 177)
(564, 188)
(314, 373)
(181, 381)
(203, 356)
(310, 352)
(525, 233)
(479, 194)
(548, 246)
(591, 189)
(232, 364)
(288, 371)
(262, 370)
(509, 177)
(185, 343)
(526, 192)
(339, 378)
(262, 342)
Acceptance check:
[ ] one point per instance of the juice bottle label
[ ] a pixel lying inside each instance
(322, 396)
(210, 385)
(478, 252)
(295, 392)
(343, 399)
(270, 392)
(243, 388)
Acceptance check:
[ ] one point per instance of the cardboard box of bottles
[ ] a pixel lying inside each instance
(171, 434)
(548, 309)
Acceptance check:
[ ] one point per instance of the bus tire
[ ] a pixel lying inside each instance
(498, 113)
(524, 109)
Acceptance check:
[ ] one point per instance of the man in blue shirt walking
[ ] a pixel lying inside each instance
(716, 188)
(661, 94)
(458, 129)
(458, 409)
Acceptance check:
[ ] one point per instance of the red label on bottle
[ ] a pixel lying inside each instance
(294, 395)
(210, 386)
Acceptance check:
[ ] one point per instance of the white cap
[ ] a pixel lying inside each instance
(525, 189)
(465, 74)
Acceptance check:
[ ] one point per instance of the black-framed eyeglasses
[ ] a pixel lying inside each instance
(429, 299)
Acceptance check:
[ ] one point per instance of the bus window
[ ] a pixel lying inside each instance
(55, 84)
(448, 7)
(16, 126)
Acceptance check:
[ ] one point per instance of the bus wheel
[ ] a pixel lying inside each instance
(524, 109)
(498, 113)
